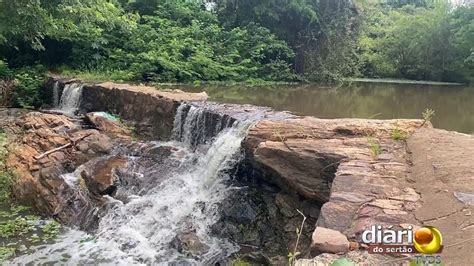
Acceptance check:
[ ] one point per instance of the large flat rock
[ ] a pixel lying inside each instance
(357, 168)
(443, 170)
(175, 95)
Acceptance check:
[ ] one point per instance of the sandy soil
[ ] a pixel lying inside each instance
(443, 163)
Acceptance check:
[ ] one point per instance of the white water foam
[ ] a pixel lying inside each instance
(56, 94)
(71, 98)
(142, 230)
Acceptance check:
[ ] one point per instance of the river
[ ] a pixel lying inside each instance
(453, 105)
(198, 169)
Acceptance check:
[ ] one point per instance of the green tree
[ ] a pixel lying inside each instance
(23, 21)
(184, 42)
(322, 33)
(423, 43)
(462, 25)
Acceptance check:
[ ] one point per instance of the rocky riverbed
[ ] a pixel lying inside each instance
(263, 172)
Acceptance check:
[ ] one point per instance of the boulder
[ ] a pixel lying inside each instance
(100, 174)
(108, 123)
(40, 182)
(190, 244)
(303, 154)
(329, 241)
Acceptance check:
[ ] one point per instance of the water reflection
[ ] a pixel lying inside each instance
(454, 105)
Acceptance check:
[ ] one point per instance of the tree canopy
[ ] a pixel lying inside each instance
(426, 42)
(240, 40)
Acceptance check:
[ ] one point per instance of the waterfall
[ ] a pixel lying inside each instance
(56, 94)
(71, 98)
(194, 125)
(168, 198)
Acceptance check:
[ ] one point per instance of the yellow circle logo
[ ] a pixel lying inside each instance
(428, 240)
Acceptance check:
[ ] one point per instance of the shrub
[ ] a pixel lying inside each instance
(397, 133)
(28, 82)
(6, 179)
(5, 71)
(374, 146)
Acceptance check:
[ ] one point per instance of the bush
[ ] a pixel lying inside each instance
(175, 41)
(5, 71)
(28, 82)
(20, 87)
(6, 180)
(183, 42)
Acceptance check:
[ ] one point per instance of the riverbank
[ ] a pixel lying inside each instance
(403, 81)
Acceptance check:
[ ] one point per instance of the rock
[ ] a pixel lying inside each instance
(330, 162)
(189, 243)
(8, 115)
(39, 183)
(466, 198)
(254, 258)
(408, 195)
(286, 204)
(100, 175)
(351, 258)
(313, 210)
(330, 241)
(98, 143)
(241, 211)
(157, 153)
(151, 109)
(250, 217)
(387, 204)
(353, 246)
(303, 154)
(107, 123)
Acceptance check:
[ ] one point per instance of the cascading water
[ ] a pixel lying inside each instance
(165, 212)
(194, 126)
(71, 98)
(56, 94)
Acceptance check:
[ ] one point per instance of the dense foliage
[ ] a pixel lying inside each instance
(231, 40)
(184, 42)
(322, 33)
(175, 41)
(424, 42)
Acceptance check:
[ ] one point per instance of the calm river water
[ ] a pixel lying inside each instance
(453, 105)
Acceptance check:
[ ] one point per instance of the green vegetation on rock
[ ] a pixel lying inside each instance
(19, 226)
(397, 133)
(20, 229)
(374, 146)
(6, 179)
(342, 262)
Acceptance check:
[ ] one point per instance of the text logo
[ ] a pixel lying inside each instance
(426, 240)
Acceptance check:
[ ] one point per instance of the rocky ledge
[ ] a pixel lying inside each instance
(150, 111)
(361, 172)
(46, 146)
(358, 169)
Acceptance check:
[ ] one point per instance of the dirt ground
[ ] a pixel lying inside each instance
(443, 164)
